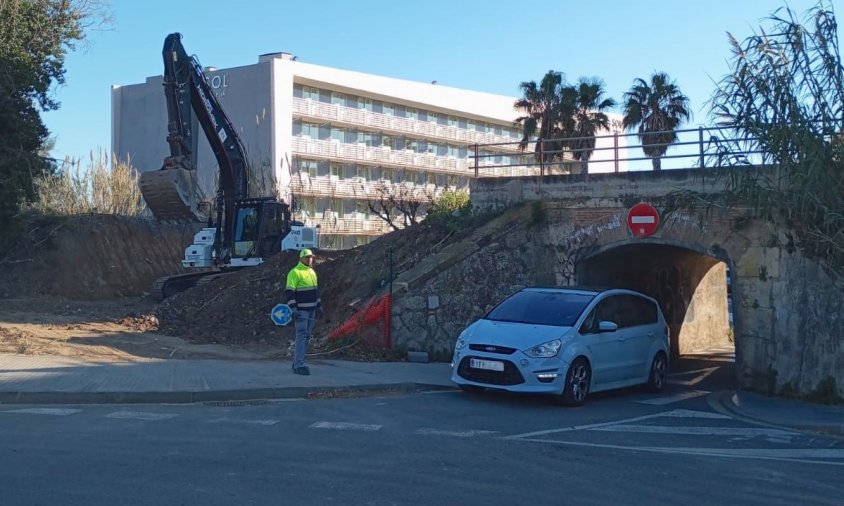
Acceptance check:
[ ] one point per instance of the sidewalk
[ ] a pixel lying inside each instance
(26, 379)
(775, 411)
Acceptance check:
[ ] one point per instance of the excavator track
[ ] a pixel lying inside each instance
(169, 193)
(169, 286)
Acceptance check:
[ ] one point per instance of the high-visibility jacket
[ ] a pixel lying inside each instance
(302, 290)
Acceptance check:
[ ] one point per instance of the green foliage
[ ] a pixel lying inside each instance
(783, 98)
(95, 189)
(450, 209)
(35, 36)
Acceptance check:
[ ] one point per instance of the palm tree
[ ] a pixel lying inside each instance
(657, 109)
(542, 121)
(587, 104)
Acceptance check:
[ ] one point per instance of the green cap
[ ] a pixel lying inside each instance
(306, 253)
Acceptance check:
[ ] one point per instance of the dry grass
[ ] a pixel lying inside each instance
(98, 188)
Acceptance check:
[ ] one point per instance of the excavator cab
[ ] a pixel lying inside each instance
(259, 225)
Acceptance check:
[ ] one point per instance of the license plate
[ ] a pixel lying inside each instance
(489, 365)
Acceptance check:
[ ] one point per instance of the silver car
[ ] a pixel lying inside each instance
(567, 342)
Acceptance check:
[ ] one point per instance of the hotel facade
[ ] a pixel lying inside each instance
(334, 142)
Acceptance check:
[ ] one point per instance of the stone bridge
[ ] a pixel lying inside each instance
(722, 278)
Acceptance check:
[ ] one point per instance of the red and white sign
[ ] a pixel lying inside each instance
(643, 219)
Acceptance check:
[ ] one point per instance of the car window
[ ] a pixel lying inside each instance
(639, 311)
(541, 308)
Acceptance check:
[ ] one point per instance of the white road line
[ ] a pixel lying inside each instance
(684, 373)
(140, 415)
(661, 401)
(698, 431)
(674, 413)
(804, 456)
(346, 426)
(465, 433)
(45, 411)
(242, 420)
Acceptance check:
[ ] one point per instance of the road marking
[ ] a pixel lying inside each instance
(675, 413)
(140, 415)
(226, 419)
(804, 456)
(661, 401)
(699, 431)
(702, 374)
(346, 426)
(465, 433)
(45, 411)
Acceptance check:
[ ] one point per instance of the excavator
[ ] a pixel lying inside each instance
(246, 230)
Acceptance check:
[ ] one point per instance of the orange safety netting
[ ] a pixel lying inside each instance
(378, 311)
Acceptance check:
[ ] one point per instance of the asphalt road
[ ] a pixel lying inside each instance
(438, 448)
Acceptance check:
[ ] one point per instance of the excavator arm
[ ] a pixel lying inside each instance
(171, 193)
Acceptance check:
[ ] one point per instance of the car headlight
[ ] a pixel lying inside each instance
(461, 342)
(545, 350)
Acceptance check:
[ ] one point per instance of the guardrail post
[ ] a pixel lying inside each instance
(700, 145)
(541, 158)
(615, 149)
(476, 160)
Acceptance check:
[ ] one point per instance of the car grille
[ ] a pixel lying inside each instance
(510, 375)
(491, 348)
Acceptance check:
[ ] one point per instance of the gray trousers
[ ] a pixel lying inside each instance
(304, 325)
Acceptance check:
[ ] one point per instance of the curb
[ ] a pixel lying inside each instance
(724, 402)
(188, 397)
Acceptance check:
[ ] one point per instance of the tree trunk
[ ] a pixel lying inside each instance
(584, 166)
(657, 163)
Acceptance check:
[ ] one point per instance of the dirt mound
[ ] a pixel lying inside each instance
(235, 309)
(90, 257)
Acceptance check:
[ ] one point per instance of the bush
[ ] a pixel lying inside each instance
(95, 189)
(450, 209)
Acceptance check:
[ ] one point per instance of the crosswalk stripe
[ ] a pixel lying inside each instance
(668, 399)
(454, 433)
(346, 426)
(140, 415)
(45, 411)
(243, 421)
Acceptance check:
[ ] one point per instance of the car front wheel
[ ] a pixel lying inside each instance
(659, 373)
(576, 387)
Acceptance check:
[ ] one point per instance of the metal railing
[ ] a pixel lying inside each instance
(620, 152)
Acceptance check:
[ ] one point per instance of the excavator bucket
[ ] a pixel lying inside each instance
(170, 194)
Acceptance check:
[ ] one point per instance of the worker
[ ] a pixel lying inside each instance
(302, 294)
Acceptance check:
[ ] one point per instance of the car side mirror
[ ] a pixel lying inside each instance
(606, 326)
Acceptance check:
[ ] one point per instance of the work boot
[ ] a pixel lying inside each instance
(304, 370)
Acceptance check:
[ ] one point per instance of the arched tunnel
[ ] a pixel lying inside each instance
(692, 288)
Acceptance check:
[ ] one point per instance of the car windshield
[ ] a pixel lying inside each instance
(541, 308)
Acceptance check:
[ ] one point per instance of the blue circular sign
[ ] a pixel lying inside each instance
(281, 314)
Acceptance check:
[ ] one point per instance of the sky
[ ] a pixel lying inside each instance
(482, 45)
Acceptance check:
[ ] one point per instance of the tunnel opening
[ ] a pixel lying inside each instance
(693, 290)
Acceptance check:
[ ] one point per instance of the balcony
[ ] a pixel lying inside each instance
(387, 123)
(332, 187)
(331, 225)
(360, 153)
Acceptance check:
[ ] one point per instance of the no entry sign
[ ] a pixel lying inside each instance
(643, 219)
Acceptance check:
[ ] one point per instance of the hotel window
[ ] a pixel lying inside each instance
(410, 176)
(365, 103)
(308, 167)
(309, 92)
(388, 142)
(432, 117)
(365, 138)
(431, 178)
(336, 206)
(336, 169)
(411, 145)
(470, 125)
(331, 241)
(452, 121)
(388, 174)
(363, 171)
(431, 148)
(338, 98)
(389, 109)
(362, 207)
(451, 180)
(412, 113)
(310, 130)
(307, 206)
(338, 134)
